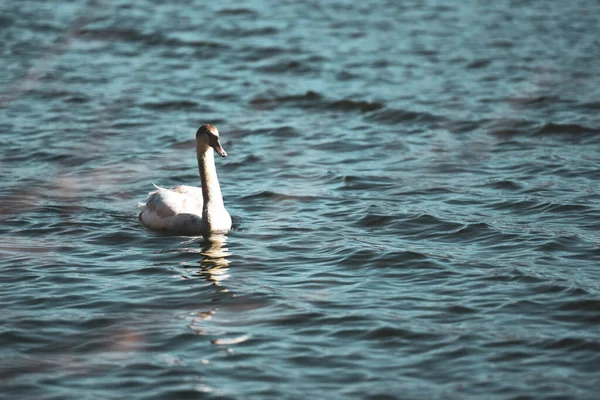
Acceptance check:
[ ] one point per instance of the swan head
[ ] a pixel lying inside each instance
(208, 136)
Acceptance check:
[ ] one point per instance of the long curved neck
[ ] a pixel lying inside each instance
(211, 191)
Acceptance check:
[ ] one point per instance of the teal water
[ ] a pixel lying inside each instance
(414, 188)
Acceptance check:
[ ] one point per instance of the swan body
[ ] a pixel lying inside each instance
(188, 209)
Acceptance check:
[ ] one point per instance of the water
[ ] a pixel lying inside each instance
(414, 187)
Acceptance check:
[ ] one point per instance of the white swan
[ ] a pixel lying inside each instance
(188, 209)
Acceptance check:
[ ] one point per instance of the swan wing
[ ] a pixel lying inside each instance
(164, 207)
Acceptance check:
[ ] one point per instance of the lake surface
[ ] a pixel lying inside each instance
(414, 187)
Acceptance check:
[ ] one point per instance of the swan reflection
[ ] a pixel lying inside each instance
(214, 265)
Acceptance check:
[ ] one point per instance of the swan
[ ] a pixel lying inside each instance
(188, 209)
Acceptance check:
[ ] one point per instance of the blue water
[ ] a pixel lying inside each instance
(414, 187)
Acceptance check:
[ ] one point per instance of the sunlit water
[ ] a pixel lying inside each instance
(414, 187)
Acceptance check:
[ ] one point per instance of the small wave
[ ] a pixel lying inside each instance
(459, 309)
(289, 66)
(385, 332)
(582, 310)
(307, 100)
(504, 184)
(393, 116)
(171, 105)
(574, 344)
(120, 34)
(477, 232)
(246, 12)
(263, 53)
(368, 182)
(535, 100)
(426, 220)
(507, 127)
(76, 99)
(149, 39)
(352, 105)
(267, 194)
(502, 44)
(6, 22)
(478, 64)
(593, 105)
(569, 129)
(314, 100)
(377, 220)
(283, 132)
(240, 32)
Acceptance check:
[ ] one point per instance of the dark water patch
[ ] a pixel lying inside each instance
(584, 310)
(244, 12)
(505, 184)
(76, 100)
(314, 100)
(432, 223)
(180, 145)
(457, 126)
(565, 129)
(119, 34)
(592, 105)
(366, 182)
(125, 125)
(478, 64)
(296, 319)
(242, 31)
(283, 132)
(263, 53)
(64, 159)
(574, 344)
(388, 332)
(346, 76)
(308, 100)
(171, 105)
(352, 105)
(372, 219)
(521, 206)
(506, 128)
(535, 100)
(429, 191)
(393, 116)
(132, 35)
(267, 194)
(501, 44)
(295, 66)
(460, 309)
(6, 22)
(250, 160)
(565, 243)
(115, 239)
(207, 45)
(338, 146)
(558, 287)
(430, 53)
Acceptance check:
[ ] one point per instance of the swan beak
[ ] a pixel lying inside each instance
(219, 149)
